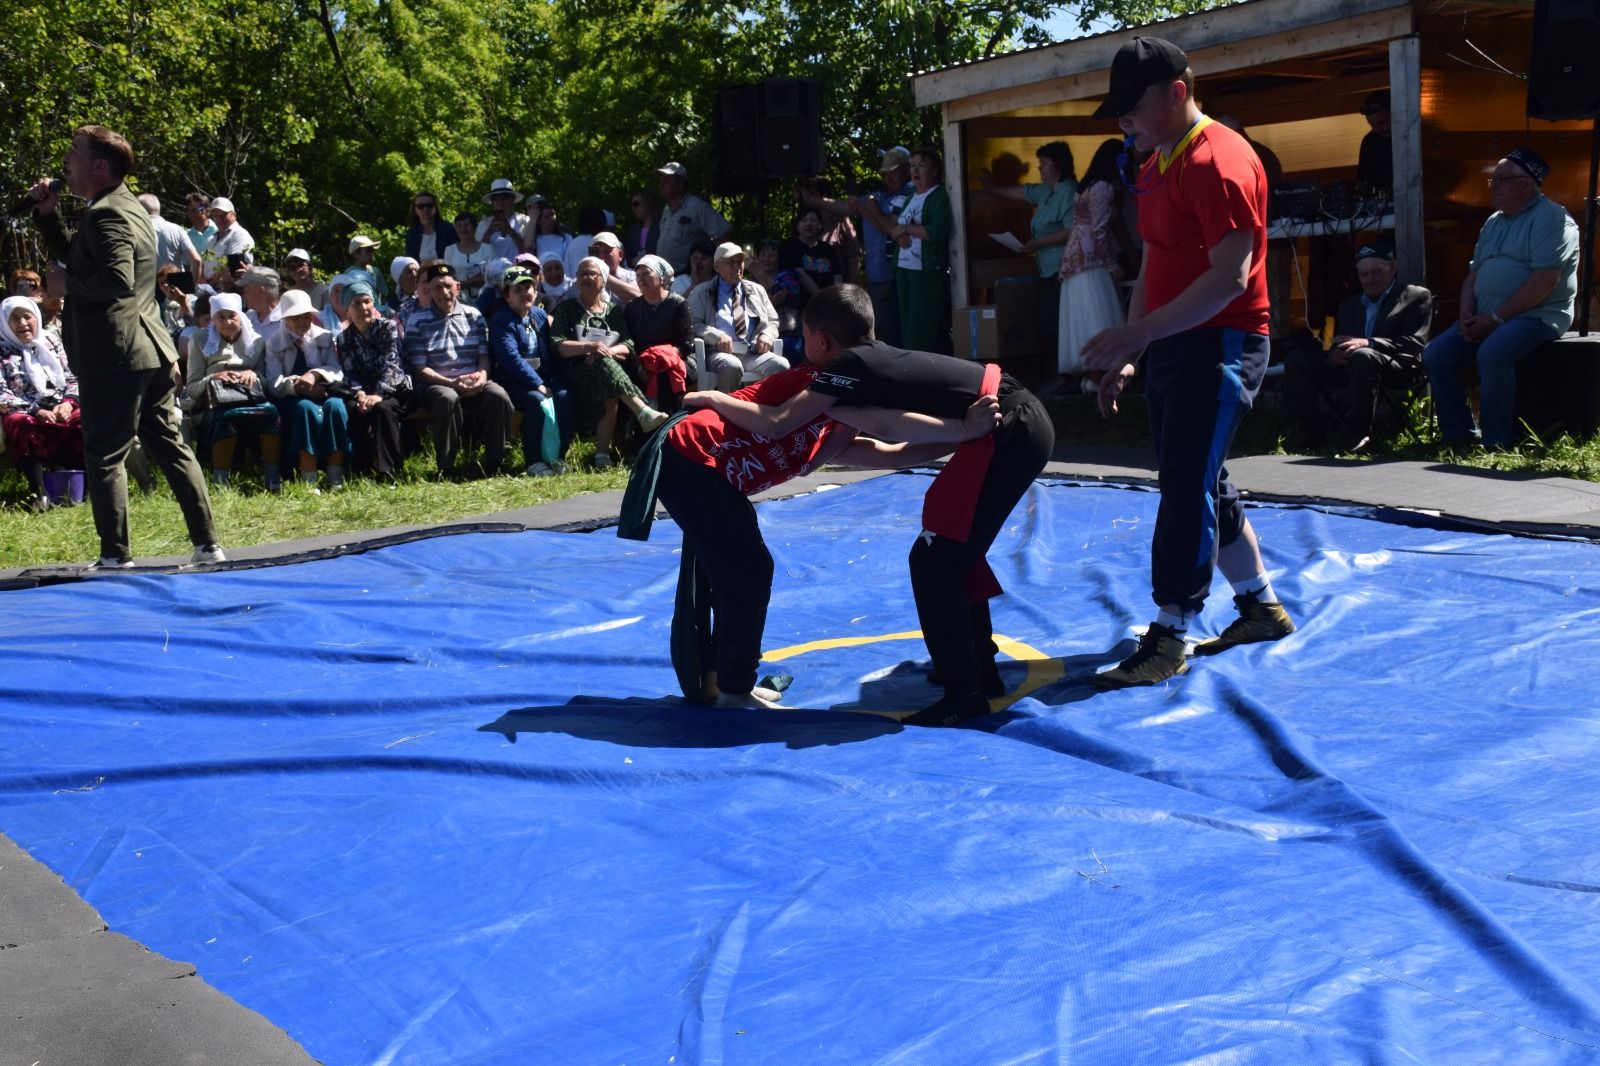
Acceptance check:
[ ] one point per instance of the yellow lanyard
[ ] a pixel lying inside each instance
(1164, 159)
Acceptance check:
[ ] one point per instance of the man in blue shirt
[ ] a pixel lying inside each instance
(447, 349)
(1518, 295)
(878, 211)
(1379, 336)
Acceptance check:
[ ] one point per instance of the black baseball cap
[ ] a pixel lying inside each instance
(1139, 64)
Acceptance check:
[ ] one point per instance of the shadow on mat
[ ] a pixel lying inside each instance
(676, 723)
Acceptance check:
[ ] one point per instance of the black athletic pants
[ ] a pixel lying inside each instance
(959, 634)
(719, 526)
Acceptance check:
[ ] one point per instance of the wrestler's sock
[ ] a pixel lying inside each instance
(1178, 623)
(1258, 588)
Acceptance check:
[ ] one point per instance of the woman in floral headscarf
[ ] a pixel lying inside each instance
(38, 397)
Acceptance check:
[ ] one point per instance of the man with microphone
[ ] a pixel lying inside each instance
(116, 343)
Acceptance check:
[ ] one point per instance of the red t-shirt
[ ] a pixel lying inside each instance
(749, 461)
(1213, 187)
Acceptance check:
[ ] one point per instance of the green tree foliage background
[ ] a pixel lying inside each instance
(320, 118)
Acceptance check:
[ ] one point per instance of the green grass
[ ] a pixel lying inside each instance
(1078, 421)
(248, 514)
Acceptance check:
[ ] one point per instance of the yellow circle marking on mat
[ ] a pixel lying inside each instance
(1042, 669)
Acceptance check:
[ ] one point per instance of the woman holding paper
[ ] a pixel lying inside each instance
(594, 346)
(1053, 197)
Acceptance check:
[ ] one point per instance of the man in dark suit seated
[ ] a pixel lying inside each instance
(1380, 334)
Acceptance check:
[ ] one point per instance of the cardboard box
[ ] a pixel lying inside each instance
(973, 331)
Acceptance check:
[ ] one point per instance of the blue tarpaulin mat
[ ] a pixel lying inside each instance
(438, 803)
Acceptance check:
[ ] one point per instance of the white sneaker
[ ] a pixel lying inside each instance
(207, 553)
(541, 469)
(650, 419)
(107, 562)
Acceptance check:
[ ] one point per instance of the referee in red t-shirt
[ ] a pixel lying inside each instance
(1199, 318)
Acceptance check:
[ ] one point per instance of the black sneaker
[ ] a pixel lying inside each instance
(1257, 623)
(1160, 657)
(949, 710)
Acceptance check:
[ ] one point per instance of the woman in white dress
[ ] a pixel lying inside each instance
(1089, 268)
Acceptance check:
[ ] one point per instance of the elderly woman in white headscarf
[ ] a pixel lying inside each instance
(660, 324)
(554, 285)
(405, 272)
(227, 362)
(302, 367)
(38, 397)
(596, 361)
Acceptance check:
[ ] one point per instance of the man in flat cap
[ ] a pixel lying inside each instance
(1518, 294)
(1380, 334)
(1198, 317)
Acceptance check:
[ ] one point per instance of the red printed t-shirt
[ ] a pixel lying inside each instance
(749, 461)
(1213, 187)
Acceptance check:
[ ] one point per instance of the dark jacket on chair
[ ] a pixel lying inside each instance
(1405, 318)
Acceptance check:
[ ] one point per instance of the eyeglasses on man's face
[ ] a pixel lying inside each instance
(1499, 180)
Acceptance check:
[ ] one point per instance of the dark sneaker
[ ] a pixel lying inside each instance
(989, 680)
(949, 710)
(1160, 657)
(1257, 623)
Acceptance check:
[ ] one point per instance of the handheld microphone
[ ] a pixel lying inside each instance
(26, 204)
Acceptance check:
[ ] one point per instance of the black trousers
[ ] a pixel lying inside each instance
(375, 435)
(959, 634)
(1198, 386)
(719, 525)
(116, 408)
(1311, 384)
(488, 413)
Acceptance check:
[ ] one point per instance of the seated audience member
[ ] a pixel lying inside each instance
(378, 388)
(591, 220)
(24, 283)
(302, 366)
(404, 272)
(620, 279)
(700, 268)
(199, 322)
(258, 288)
(230, 352)
(593, 344)
(50, 305)
(38, 398)
(554, 285)
(737, 322)
(815, 263)
(334, 311)
(783, 289)
(489, 297)
(469, 257)
(643, 233)
(297, 275)
(196, 211)
(231, 239)
(427, 237)
(545, 234)
(173, 247)
(1381, 333)
(363, 251)
(519, 339)
(502, 228)
(447, 349)
(659, 324)
(1518, 295)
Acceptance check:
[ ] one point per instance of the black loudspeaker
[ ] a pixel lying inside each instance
(736, 126)
(1564, 68)
(791, 127)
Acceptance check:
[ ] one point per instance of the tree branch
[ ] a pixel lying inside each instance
(325, 17)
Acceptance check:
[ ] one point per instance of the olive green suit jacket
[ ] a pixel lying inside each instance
(111, 324)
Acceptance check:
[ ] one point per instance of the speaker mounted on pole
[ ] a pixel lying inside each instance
(791, 128)
(1564, 66)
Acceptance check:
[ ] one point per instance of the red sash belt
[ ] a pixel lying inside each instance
(951, 502)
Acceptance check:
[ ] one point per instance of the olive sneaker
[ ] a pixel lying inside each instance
(1160, 656)
(1257, 623)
